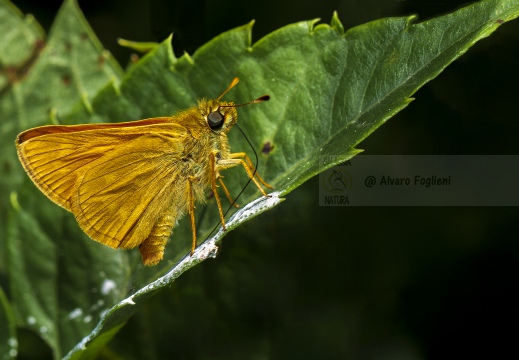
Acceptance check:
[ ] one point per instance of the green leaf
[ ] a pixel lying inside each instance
(32, 276)
(40, 78)
(329, 90)
(8, 337)
(45, 286)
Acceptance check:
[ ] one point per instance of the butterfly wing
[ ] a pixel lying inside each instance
(117, 179)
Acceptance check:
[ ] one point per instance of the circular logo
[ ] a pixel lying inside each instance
(337, 180)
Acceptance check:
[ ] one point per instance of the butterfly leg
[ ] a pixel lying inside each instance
(238, 159)
(226, 191)
(191, 209)
(250, 166)
(152, 249)
(214, 176)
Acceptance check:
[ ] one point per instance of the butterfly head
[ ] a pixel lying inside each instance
(220, 115)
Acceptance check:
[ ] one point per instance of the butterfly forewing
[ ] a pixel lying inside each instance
(116, 179)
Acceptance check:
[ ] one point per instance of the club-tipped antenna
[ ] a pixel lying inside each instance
(255, 101)
(233, 84)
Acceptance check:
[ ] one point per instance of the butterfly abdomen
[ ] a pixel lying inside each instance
(152, 249)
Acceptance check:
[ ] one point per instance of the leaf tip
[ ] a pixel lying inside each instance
(312, 24)
(411, 19)
(72, 2)
(85, 101)
(355, 151)
(188, 58)
(142, 47)
(13, 197)
(114, 83)
(127, 301)
(249, 27)
(336, 23)
(53, 116)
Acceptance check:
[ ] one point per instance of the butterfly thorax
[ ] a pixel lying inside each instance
(207, 125)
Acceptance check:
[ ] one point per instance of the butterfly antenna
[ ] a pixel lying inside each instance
(258, 100)
(233, 84)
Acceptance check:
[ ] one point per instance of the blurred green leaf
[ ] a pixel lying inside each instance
(71, 62)
(329, 90)
(7, 329)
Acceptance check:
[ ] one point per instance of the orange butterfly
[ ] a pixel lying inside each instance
(128, 183)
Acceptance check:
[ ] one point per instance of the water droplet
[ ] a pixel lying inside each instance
(108, 286)
(75, 313)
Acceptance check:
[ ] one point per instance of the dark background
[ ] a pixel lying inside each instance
(310, 282)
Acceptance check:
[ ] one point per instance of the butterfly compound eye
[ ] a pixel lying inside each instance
(215, 120)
